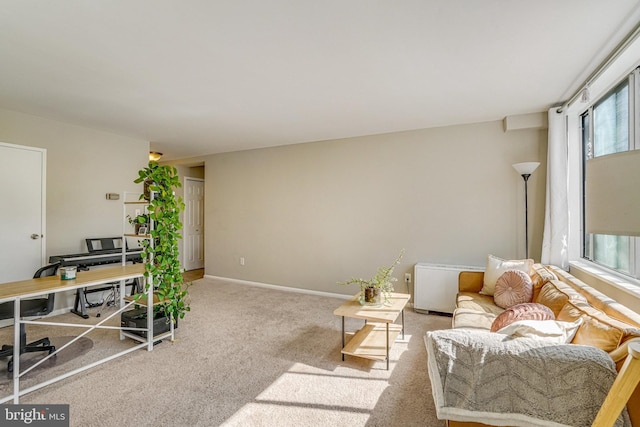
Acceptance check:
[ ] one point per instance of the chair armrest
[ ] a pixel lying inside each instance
(470, 281)
(620, 354)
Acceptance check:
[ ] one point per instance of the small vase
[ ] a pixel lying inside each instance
(371, 296)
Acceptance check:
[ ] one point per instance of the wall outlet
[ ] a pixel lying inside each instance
(241, 260)
(407, 278)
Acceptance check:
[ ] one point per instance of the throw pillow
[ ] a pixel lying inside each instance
(525, 311)
(554, 331)
(513, 287)
(497, 266)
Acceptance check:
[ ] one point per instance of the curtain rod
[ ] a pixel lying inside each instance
(630, 38)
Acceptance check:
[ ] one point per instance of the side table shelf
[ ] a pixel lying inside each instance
(370, 342)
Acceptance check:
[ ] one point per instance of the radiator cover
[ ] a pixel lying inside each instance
(436, 286)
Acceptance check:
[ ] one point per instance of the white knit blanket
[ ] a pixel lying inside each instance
(494, 379)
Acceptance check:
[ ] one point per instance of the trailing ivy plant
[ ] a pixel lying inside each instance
(162, 260)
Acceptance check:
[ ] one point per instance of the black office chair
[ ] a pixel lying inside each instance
(30, 307)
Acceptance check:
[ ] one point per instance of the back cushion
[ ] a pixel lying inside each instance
(540, 275)
(556, 294)
(597, 329)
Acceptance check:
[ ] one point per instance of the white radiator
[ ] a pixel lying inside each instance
(436, 286)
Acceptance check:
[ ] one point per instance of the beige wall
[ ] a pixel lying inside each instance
(309, 215)
(82, 166)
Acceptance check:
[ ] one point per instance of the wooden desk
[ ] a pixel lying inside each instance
(16, 291)
(46, 285)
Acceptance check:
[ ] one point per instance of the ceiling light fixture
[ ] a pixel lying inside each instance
(154, 156)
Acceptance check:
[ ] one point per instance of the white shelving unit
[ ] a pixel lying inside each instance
(134, 201)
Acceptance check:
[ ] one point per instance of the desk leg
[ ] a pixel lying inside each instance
(403, 324)
(16, 350)
(387, 346)
(343, 337)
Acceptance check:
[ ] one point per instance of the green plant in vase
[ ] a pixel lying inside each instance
(140, 221)
(160, 251)
(381, 285)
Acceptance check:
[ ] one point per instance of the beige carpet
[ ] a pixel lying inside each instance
(244, 356)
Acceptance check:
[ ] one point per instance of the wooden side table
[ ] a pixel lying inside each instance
(373, 341)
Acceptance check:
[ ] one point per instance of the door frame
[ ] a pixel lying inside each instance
(43, 202)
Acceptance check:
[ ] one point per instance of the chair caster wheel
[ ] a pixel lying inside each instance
(98, 315)
(10, 366)
(46, 343)
(52, 349)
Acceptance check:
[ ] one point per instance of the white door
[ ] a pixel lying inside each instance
(193, 223)
(22, 211)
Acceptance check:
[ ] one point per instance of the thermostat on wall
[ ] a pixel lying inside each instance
(113, 196)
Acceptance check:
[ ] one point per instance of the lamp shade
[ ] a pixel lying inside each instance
(612, 199)
(526, 168)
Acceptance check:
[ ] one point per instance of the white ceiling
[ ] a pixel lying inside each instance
(201, 77)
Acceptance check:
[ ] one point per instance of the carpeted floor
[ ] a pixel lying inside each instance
(244, 356)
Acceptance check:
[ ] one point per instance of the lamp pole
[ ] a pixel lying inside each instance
(525, 170)
(526, 176)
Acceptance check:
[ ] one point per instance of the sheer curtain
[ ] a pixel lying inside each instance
(555, 241)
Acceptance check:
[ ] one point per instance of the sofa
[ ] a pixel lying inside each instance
(603, 322)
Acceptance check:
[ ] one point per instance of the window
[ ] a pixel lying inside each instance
(608, 127)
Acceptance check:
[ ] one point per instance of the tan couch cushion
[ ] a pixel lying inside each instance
(477, 302)
(540, 275)
(555, 294)
(472, 319)
(597, 329)
(598, 299)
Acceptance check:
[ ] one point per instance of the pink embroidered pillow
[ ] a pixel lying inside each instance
(513, 287)
(525, 311)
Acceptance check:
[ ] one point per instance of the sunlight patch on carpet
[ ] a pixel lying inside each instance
(307, 395)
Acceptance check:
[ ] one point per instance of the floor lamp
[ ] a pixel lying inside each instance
(525, 170)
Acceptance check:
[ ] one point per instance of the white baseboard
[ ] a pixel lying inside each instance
(280, 287)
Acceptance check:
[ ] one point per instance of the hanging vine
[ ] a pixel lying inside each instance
(162, 260)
